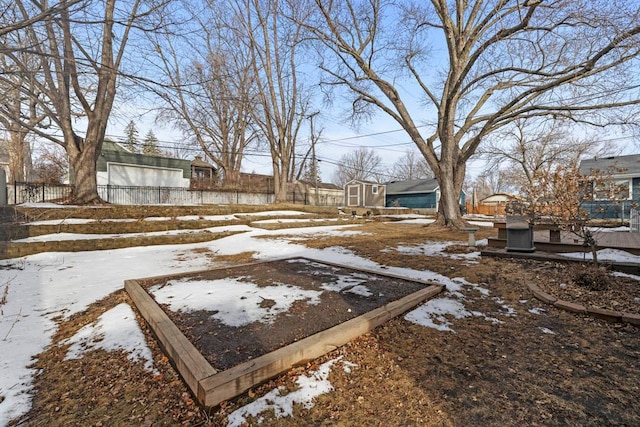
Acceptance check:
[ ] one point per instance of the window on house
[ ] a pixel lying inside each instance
(374, 189)
(618, 189)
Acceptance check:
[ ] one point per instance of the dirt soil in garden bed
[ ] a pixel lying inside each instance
(224, 346)
(532, 365)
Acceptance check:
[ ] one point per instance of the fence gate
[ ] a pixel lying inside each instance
(634, 220)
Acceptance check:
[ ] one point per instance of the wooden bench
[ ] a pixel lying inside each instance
(554, 230)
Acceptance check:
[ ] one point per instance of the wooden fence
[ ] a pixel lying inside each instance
(490, 210)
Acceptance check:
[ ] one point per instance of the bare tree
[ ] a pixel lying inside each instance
(411, 165)
(502, 60)
(209, 87)
(529, 148)
(50, 164)
(18, 98)
(16, 15)
(362, 163)
(80, 52)
(275, 45)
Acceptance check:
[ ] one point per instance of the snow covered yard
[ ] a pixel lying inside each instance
(40, 292)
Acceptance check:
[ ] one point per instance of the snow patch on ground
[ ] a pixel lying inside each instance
(281, 402)
(432, 248)
(433, 314)
(115, 330)
(608, 254)
(235, 301)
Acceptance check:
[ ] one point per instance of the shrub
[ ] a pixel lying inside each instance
(591, 277)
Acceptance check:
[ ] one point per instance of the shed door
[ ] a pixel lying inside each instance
(353, 195)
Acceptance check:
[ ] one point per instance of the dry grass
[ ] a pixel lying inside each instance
(485, 373)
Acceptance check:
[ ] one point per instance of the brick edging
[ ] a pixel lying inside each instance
(601, 313)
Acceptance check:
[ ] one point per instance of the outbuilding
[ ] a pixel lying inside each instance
(118, 166)
(364, 194)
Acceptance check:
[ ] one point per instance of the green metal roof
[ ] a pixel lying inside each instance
(412, 186)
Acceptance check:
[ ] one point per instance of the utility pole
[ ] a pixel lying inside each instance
(314, 163)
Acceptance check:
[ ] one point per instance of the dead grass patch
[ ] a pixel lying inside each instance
(241, 258)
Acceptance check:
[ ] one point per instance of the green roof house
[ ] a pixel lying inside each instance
(118, 166)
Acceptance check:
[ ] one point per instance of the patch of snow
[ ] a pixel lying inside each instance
(483, 291)
(58, 237)
(481, 223)
(546, 331)
(432, 313)
(193, 218)
(297, 220)
(309, 387)
(63, 221)
(352, 283)
(621, 274)
(116, 329)
(615, 255)
(272, 213)
(508, 310)
(537, 310)
(234, 301)
(608, 229)
(414, 221)
(489, 217)
(433, 248)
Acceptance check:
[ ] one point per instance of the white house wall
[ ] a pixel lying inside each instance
(128, 175)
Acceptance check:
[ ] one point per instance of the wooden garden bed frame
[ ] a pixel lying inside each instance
(211, 387)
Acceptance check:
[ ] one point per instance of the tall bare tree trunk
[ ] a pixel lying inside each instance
(19, 155)
(450, 178)
(83, 167)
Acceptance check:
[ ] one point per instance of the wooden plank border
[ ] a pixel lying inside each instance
(189, 362)
(211, 387)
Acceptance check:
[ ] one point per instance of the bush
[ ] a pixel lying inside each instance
(591, 277)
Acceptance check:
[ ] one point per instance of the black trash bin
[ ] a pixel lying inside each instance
(519, 234)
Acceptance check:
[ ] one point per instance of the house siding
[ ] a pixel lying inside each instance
(135, 159)
(420, 200)
(618, 167)
(607, 209)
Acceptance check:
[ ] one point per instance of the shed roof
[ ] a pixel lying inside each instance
(325, 185)
(413, 186)
(108, 145)
(364, 181)
(615, 165)
(499, 198)
(199, 163)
